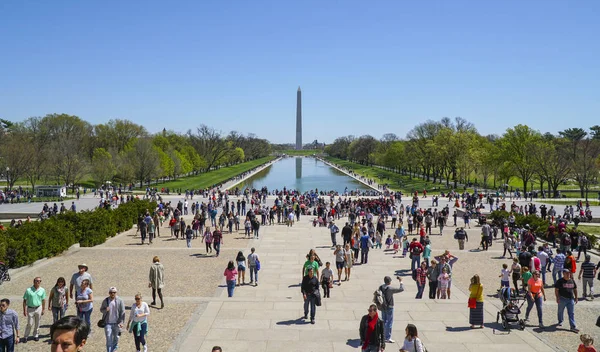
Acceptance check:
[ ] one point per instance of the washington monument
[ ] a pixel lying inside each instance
(299, 120)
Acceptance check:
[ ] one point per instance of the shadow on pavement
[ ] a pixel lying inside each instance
(299, 321)
(353, 343)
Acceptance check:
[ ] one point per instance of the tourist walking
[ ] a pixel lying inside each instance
(113, 313)
(365, 244)
(217, 240)
(240, 260)
(84, 300)
(340, 258)
(433, 273)
(333, 230)
(189, 233)
(138, 323)
(412, 342)
(310, 294)
(371, 331)
(421, 280)
(559, 264)
(588, 270)
(78, 277)
(208, 240)
(9, 327)
(461, 235)
(34, 306)
(253, 263)
(476, 302)
(58, 299)
(348, 262)
(327, 280)
(535, 294)
(387, 309)
(565, 290)
(311, 262)
(415, 249)
(156, 280)
(230, 275)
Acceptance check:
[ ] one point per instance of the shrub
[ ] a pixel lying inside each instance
(539, 225)
(41, 239)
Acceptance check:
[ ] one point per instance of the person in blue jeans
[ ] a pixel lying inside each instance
(230, 276)
(565, 290)
(421, 280)
(365, 244)
(387, 311)
(253, 262)
(415, 248)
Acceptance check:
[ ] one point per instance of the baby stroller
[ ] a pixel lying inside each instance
(4, 276)
(511, 308)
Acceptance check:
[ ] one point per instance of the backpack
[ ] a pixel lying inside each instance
(414, 274)
(566, 240)
(585, 243)
(379, 298)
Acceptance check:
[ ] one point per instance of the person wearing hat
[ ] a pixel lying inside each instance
(78, 277)
(113, 313)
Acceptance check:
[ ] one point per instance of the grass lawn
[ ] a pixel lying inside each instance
(210, 178)
(594, 230)
(565, 201)
(394, 180)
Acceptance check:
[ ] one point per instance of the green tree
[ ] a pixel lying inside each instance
(103, 168)
(517, 149)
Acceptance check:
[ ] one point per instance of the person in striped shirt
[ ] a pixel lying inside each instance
(588, 270)
(559, 264)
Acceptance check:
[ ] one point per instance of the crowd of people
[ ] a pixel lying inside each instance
(376, 223)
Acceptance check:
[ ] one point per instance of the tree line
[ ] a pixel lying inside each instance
(64, 149)
(452, 150)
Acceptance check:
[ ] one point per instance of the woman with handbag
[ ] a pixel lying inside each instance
(412, 342)
(476, 302)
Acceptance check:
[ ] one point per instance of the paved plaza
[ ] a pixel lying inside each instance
(198, 314)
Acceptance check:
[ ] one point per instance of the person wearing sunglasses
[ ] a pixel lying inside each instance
(34, 305)
(113, 313)
(138, 322)
(535, 294)
(371, 331)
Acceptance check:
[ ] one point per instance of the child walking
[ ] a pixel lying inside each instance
(396, 244)
(504, 276)
(388, 242)
(443, 280)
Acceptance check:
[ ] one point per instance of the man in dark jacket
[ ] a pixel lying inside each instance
(371, 331)
(310, 293)
(347, 233)
(461, 235)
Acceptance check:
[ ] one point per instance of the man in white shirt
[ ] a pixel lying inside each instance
(543, 256)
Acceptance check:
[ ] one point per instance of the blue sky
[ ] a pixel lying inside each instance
(365, 67)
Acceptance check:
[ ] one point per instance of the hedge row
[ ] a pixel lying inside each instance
(539, 225)
(42, 239)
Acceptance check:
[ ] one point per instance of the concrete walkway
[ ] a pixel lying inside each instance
(267, 317)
